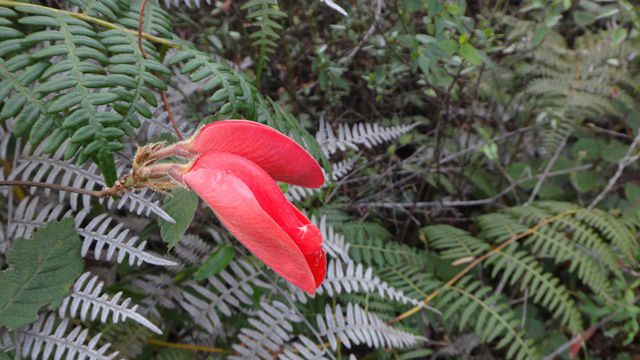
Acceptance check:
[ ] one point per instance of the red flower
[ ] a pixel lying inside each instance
(234, 174)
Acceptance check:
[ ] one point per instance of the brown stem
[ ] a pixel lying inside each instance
(99, 194)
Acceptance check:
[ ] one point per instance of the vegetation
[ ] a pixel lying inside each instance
(481, 194)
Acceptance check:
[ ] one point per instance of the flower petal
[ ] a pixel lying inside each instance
(276, 153)
(251, 205)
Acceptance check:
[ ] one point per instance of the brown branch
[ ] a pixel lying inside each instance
(165, 101)
(99, 194)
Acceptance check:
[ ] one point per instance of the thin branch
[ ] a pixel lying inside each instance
(547, 170)
(628, 159)
(99, 194)
(479, 260)
(165, 101)
(92, 19)
(580, 337)
(462, 203)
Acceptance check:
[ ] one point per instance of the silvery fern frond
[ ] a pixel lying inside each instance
(335, 7)
(357, 326)
(29, 215)
(364, 134)
(43, 340)
(192, 250)
(270, 329)
(356, 278)
(342, 168)
(140, 202)
(231, 288)
(189, 3)
(159, 289)
(34, 165)
(299, 193)
(304, 349)
(98, 233)
(339, 170)
(334, 243)
(87, 301)
(115, 240)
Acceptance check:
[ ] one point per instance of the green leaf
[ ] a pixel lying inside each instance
(539, 35)
(416, 354)
(107, 166)
(470, 54)
(181, 206)
(217, 261)
(619, 35)
(42, 271)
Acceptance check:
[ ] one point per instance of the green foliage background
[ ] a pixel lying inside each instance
(448, 129)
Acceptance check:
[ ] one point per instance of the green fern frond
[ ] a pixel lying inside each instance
(514, 267)
(490, 315)
(109, 9)
(454, 243)
(380, 253)
(552, 240)
(266, 13)
(69, 82)
(228, 87)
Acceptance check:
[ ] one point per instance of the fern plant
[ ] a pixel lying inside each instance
(589, 247)
(266, 13)
(144, 274)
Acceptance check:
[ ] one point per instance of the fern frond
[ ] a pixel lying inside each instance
(356, 278)
(334, 243)
(339, 170)
(28, 216)
(491, 317)
(357, 326)
(192, 249)
(127, 338)
(229, 87)
(97, 235)
(160, 289)
(304, 349)
(75, 86)
(87, 302)
(376, 250)
(34, 165)
(587, 234)
(549, 240)
(49, 342)
(231, 288)
(266, 13)
(513, 267)
(117, 242)
(189, 3)
(364, 134)
(270, 329)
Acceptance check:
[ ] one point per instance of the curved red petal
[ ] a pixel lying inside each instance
(251, 205)
(277, 154)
